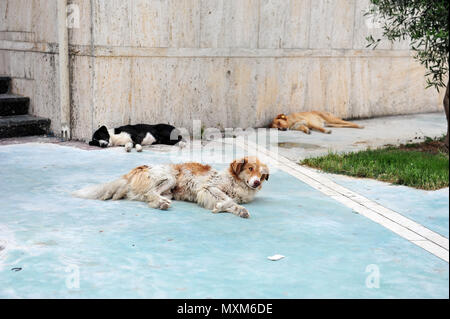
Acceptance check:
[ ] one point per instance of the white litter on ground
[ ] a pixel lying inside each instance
(275, 257)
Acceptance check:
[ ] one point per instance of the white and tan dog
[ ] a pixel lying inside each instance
(194, 182)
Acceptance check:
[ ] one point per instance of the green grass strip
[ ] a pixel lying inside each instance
(411, 168)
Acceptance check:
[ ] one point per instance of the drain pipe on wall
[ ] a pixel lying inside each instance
(64, 81)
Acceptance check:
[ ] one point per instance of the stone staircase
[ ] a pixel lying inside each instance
(14, 118)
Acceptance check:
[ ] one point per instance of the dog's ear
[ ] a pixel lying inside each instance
(237, 165)
(103, 129)
(265, 172)
(101, 134)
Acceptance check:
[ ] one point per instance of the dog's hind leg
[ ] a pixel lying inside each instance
(333, 121)
(106, 195)
(168, 194)
(113, 190)
(319, 128)
(157, 201)
(120, 193)
(348, 125)
(157, 198)
(301, 127)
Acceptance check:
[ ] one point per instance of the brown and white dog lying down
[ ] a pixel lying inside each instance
(307, 121)
(194, 182)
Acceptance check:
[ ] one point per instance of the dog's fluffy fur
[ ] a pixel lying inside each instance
(194, 182)
(137, 135)
(307, 121)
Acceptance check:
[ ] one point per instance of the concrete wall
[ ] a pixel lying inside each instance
(28, 39)
(229, 63)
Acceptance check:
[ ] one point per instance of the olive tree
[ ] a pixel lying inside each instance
(425, 24)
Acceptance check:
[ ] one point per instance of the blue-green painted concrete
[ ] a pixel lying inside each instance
(429, 208)
(125, 249)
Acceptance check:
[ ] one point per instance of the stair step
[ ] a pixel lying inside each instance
(23, 125)
(4, 84)
(11, 104)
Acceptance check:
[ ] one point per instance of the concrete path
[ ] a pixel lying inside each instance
(377, 132)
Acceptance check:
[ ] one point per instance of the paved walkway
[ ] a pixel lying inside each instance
(377, 132)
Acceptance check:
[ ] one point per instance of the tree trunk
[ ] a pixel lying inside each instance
(446, 101)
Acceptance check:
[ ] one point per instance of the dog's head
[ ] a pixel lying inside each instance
(250, 171)
(100, 137)
(280, 122)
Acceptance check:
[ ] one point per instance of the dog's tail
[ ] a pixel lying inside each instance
(113, 190)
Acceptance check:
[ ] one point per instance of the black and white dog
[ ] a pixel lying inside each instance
(137, 135)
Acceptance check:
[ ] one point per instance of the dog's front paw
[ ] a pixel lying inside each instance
(164, 203)
(128, 147)
(243, 212)
(164, 206)
(328, 132)
(138, 147)
(182, 144)
(218, 208)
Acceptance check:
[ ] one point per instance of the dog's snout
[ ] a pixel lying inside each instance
(256, 183)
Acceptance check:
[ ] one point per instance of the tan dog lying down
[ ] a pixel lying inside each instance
(314, 120)
(193, 182)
